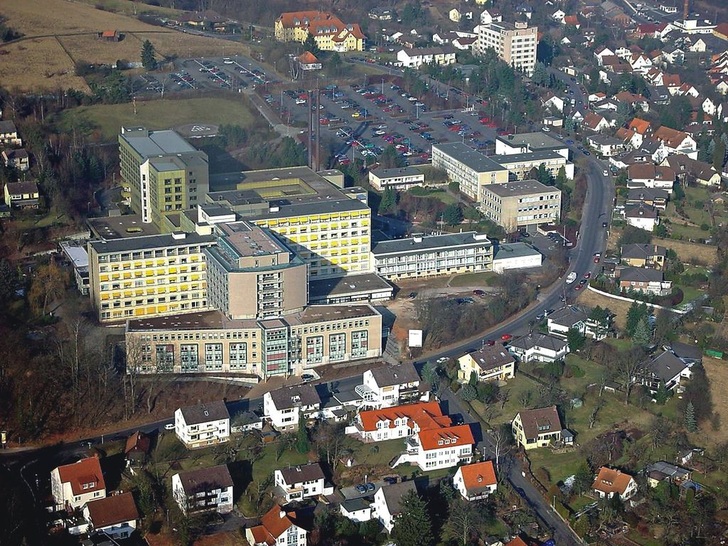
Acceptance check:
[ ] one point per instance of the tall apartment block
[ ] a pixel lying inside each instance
(162, 173)
(514, 43)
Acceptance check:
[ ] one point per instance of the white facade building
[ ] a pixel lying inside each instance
(203, 425)
(475, 481)
(204, 490)
(301, 482)
(73, 485)
(284, 407)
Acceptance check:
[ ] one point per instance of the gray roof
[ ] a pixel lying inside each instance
(642, 251)
(206, 479)
(16, 188)
(668, 470)
(604, 140)
(203, 413)
(647, 194)
(354, 505)
(288, 208)
(686, 351)
(640, 211)
(520, 187)
(393, 495)
(666, 366)
(415, 51)
(540, 155)
(150, 242)
(568, 315)
(155, 143)
(8, 126)
(490, 357)
(303, 473)
(398, 374)
(539, 340)
(390, 173)
(416, 244)
(469, 157)
(295, 396)
(514, 250)
(640, 274)
(319, 289)
(537, 140)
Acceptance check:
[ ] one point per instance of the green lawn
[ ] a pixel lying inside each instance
(158, 114)
(439, 194)
(585, 373)
(474, 279)
(516, 387)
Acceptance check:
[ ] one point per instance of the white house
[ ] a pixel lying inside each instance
(73, 485)
(301, 482)
(416, 57)
(389, 385)
(601, 53)
(539, 347)
(641, 216)
(277, 527)
(202, 425)
(440, 447)
(649, 175)
(610, 482)
(571, 317)
(357, 510)
(9, 134)
(677, 142)
(554, 101)
(508, 256)
(475, 481)
(387, 503)
(665, 370)
(115, 516)
(204, 490)
(284, 407)
(380, 425)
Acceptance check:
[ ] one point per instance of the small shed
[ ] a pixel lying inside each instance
(110, 36)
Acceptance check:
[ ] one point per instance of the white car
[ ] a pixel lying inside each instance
(571, 277)
(169, 426)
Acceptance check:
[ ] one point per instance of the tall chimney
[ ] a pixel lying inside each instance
(686, 10)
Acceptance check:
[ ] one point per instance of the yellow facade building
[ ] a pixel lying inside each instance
(329, 32)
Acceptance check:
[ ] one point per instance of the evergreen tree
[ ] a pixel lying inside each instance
(575, 339)
(633, 317)
(468, 393)
(413, 526)
(310, 44)
(149, 62)
(473, 379)
(719, 156)
(690, 422)
(388, 202)
(453, 214)
(643, 332)
(302, 443)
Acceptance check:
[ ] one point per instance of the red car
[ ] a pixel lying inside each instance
(587, 275)
(596, 259)
(490, 342)
(506, 337)
(578, 287)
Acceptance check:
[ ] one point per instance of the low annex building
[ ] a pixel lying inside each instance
(475, 481)
(489, 363)
(202, 425)
(539, 427)
(399, 179)
(204, 490)
(75, 484)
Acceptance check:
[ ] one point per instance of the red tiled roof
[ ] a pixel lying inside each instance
(112, 510)
(671, 137)
(424, 414)
(439, 438)
(307, 58)
(571, 20)
(478, 475)
(592, 120)
(611, 481)
(638, 125)
(108, 34)
(273, 524)
(84, 472)
(319, 23)
(518, 541)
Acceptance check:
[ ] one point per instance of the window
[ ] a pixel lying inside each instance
(189, 357)
(359, 343)
(165, 358)
(337, 346)
(314, 349)
(238, 356)
(213, 356)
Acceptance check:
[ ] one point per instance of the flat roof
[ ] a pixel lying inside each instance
(514, 250)
(300, 208)
(537, 140)
(250, 240)
(350, 284)
(540, 155)
(429, 242)
(520, 187)
(150, 242)
(390, 173)
(468, 157)
(120, 227)
(155, 143)
(76, 253)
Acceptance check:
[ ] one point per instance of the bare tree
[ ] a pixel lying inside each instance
(502, 442)
(465, 520)
(628, 367)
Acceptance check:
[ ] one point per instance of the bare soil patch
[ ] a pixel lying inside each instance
(589, 298)
(717, 372)
(693, 253)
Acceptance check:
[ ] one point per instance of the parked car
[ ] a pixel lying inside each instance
(361, 488)
(370, 487)
(506, 337)
(169, 426)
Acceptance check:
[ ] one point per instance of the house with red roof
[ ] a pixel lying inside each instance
(610, 482)
(475, 481)
(432, 441)
(73, 485)
(277, 527)
(308, 61)
(677, 142)
(114, 516)
(328, 31)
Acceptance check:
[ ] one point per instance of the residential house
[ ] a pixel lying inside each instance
(489, 363)
(601, 53)
(538, 348)
(202, 425)
(390, 385)
(572, 20)
(137, 448)
(204, 490)
(327, 30)
(22, 195)
(665, 370)
(572, 317)
(116, 516)
(438, 447)
(381, 14)
(635, 101)
(75, 484)
(690, 354)
(640, 62)
(558, 16)
(648, 175)
(640, 279)
(610, 482)
(677, 142)
(644, 255)
(539, 427)
(691, 171)
(9, 134)
(475, 481)
(284, 407)
(307, 61)
(553, 101)
(641, 216)
(595, 122)
(629, 138)
(17, 159)
(357, 510)
(301, 482)
(278, 527)
(662, 471)
(649, 196)
(387, 503)
(415, 58)
(605, 145)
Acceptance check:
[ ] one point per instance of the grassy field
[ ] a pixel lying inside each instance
(693, 253)
(717, 372)
(517, 387)
(41, 62)
(159, 114)
(589, 298)
(473, 279)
